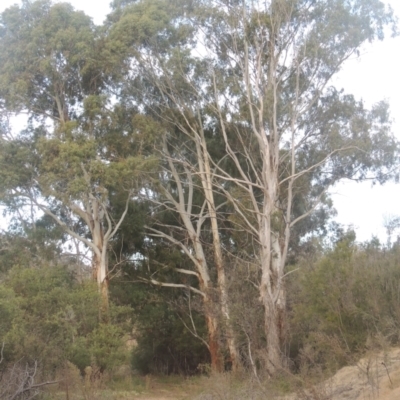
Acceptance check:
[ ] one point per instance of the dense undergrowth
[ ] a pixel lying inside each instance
(342, 303)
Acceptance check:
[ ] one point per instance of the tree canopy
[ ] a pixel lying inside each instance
(189, 145)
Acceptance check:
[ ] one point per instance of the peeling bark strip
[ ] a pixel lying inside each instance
(217, 363)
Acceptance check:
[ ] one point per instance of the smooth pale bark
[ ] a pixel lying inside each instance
(258, 215)
(100, 271)
(273, 298)
(100, 256)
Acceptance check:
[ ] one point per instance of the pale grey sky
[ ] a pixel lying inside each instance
(373, 76)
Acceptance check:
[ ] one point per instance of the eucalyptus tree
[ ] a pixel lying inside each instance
(257, 77)
(269, 91)
(184, 187)
(81, 146)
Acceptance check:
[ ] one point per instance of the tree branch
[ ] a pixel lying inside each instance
(173, 285)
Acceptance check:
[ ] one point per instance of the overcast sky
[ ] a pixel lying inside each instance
(373, 77)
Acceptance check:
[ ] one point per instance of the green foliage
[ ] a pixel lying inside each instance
(164, 344)
(106, 346)
(79, 353)
(81, 147)
(29, 245)
(51, 313)
(100, 103)
(9, 309)
(39, 41)
(343, 304)
(142, 20)
(49, 317)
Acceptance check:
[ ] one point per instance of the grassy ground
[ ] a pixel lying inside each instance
(375, 377)
(136, 387)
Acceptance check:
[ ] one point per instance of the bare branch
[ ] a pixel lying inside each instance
(174, 285)
(47, 211)
(117, 226)
(186, 271)
(315, 205)
(194, 331)
(157, 233)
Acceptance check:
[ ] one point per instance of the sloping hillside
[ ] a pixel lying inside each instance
(376, 377)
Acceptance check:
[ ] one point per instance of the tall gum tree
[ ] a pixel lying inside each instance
(80, 145)
(258, 75)
(268, 89)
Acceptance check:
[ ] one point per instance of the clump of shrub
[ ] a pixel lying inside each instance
(343, 304)
(51, 318)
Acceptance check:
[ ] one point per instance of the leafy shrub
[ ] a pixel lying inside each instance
(106, 346)
(50, 317)
(343, 304)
